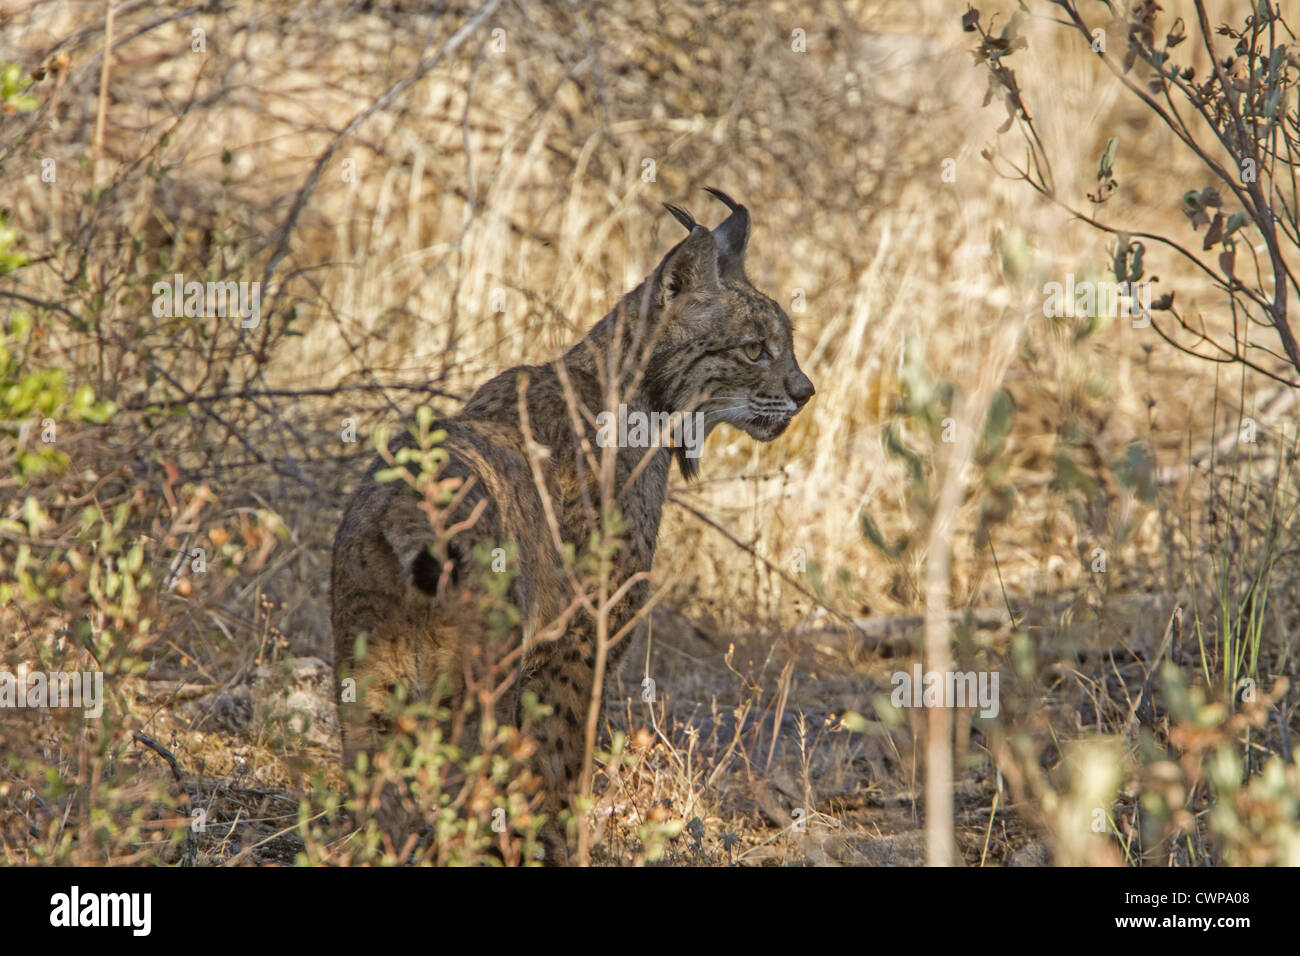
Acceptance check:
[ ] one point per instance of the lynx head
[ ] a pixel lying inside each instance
(724, 348)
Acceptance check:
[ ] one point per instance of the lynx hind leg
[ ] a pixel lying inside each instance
(366, 724)
(405, 650)
(384, 586)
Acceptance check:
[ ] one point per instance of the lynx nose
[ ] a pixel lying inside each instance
(800, 387)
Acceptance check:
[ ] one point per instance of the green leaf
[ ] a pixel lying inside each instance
(424, 417)
(1107, 160)
(854, 722)
(1235, 222)
(873, 534)
(997, 425)
(1136, 269)
(894, 444)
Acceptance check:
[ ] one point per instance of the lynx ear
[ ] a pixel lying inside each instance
(691, 266)
(732, 236)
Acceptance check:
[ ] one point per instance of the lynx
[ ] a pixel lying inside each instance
(695, 338)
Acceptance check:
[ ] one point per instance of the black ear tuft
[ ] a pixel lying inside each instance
(719, 194)
(681, 215)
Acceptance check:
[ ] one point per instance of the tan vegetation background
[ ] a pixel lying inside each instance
(389, 195)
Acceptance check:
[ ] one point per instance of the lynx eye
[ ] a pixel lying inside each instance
(755, 351)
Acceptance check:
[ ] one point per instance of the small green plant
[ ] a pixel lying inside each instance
(925, 422)
(463, 803)
(11, 259)
(14, 97)
(35, 402)
(1254, 810)
(1251, 523)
